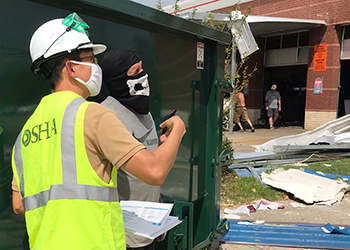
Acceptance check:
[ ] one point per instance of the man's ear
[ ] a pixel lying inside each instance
(70, 67)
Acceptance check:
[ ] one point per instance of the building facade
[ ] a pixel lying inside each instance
(305, 50)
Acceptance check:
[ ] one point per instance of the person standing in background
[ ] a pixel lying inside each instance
(241, 111)
(273, 105)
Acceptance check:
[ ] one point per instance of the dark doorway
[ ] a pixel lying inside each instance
(291, 83)
(344, 93)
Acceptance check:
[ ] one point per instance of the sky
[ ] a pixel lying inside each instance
(153, 3)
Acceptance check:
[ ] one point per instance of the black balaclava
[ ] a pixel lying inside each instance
(131, 91)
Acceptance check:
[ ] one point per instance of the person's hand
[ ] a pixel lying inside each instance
(279, 109)
(267, 108)
(175, 125)
(164, 136)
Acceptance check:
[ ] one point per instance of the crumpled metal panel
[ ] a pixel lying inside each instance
(284, 235)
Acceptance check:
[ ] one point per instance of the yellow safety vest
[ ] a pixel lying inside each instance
(67, 205)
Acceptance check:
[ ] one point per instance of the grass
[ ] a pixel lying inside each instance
(246, 190)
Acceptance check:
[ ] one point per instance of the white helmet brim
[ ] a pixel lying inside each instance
(96, 48)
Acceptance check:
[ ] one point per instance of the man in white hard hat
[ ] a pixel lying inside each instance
(66, 157)
(273, 105)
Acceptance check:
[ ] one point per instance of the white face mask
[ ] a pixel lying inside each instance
(94, 84)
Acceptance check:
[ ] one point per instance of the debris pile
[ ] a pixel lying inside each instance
(247, 209)
(323, 143)
(311, 188)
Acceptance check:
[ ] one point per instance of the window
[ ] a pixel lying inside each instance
(303, 39)
(273, 42)
(346, 32)
(289, 41)
(345, 48)
(287, 49)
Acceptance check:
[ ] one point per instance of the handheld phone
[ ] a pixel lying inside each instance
(171, 114)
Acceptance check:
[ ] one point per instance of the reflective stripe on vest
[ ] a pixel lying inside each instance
(19, 162)
(69, 189)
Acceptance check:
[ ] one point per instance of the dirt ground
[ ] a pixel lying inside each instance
(337, 214)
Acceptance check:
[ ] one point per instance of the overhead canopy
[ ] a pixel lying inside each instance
(267, 26)
(202, 5)
(262, 25)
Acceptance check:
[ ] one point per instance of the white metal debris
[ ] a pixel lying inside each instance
(308, 187)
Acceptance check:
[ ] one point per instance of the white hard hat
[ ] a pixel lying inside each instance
(53, 39)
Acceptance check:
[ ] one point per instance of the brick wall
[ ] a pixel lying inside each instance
(327, 101)
(253, 98)
(315, 119)
(331, 11)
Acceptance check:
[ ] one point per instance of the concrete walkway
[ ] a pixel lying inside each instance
(245, 142)
(337, 214)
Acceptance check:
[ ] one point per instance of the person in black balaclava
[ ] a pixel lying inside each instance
(126, 80)
(129, 91)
